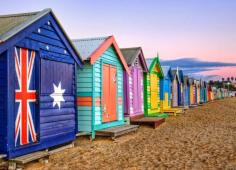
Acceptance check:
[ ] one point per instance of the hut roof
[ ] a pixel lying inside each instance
(92, 48)
(151, 62)
(12, 24)
(175, 74)
(186, 80)
(166, 71)
(130, 54)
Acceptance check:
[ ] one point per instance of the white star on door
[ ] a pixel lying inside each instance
(57, 95)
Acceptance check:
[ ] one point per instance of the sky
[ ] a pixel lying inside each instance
(201, 29)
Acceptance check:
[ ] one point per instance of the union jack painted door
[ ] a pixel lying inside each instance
(25, 96)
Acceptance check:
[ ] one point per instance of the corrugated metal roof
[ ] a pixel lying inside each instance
(165, 70)
(87, 46)
(14, 23)
(130, 54)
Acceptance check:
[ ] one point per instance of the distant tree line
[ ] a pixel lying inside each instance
(229, 79)
(225, 83)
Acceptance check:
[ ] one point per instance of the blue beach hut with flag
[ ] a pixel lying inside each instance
(37, 83)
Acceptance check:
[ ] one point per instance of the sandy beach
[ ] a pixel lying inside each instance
(202, 138)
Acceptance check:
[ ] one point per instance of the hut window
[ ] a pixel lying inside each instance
(47, 47)
(49, 23)
(65, 52)
(39, 31)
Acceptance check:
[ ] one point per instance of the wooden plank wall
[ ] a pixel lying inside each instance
(3, 100)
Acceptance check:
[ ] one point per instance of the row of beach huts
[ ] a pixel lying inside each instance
(53, 89)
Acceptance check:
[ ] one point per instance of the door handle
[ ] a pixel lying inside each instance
(104, 109)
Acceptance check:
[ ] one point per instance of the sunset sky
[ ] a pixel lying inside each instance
(202, 29)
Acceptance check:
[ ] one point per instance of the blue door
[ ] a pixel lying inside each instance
(57, 100)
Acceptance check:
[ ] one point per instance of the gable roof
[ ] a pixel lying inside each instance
(174, 74)
(166, 71)
(130, 54)
(151, 62)
(186, 80)
(92, 48)
(190, 81)
(87, 46)
(11, 25)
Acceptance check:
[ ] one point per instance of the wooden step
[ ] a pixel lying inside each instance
(152, 121)
(116, 131)
(19, 162)
(174, 111)
(2, 156)
(30, 157)
(193, 106)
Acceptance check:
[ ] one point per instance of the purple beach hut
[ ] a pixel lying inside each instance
(133, 83)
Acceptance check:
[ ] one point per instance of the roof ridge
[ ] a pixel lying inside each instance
(130, 48)
(19, 14)
(90, 38)
(23, 13)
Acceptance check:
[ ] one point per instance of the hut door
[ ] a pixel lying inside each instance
(109, 93)
(175, 93)
(137, 90)
(25, 96)
(154, 91)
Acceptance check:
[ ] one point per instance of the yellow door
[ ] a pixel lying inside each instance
(154, 91)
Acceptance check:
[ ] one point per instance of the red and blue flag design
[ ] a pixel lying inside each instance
(25, 96)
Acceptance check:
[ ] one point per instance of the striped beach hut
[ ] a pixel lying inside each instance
(152, 101)
(133, 83)
(100, 102)
(198, 91)
(195, 92)
(37, 94)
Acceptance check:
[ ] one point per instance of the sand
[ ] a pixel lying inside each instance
(202, 138)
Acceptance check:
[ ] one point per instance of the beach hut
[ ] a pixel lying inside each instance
(181, 88)
(100, 102)
(209, 93)
(215, 93)
(166, 87)
(133, 83)
(193, 91)
(186, 91)
(152, 102)
(198, 91)
(37, 63)
(175, 88)
(202, 91)
(205, 92)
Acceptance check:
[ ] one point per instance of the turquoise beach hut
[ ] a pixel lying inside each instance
(100, 85)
